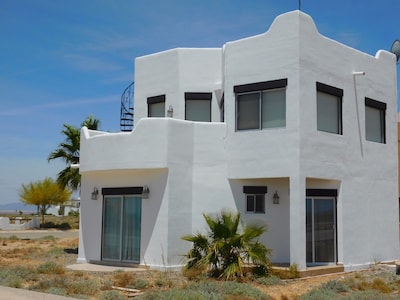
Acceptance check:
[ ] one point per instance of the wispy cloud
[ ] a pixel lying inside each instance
(87, 62)
(18, 111)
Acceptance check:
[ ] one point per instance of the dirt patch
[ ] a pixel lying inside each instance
(44, 257)
(291, 289)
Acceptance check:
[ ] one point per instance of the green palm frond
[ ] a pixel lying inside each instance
(225, 249)
(68, 151)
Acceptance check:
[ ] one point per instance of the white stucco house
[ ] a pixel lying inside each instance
(288, 113)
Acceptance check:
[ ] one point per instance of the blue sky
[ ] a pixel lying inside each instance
(63, 60)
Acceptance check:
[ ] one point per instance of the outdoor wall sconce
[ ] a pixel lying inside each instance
(275, 198)
(146, 192)
(95, 193)
(170, 112)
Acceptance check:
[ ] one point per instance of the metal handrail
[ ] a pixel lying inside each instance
(126, 116)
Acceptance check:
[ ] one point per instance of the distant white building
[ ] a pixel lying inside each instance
(288, 113)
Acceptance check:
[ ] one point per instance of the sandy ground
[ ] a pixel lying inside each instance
(30, 251)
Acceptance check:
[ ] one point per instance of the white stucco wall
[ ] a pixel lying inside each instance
(174, 72)
(192, 167)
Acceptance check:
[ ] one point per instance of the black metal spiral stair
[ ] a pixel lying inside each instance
(126, 117)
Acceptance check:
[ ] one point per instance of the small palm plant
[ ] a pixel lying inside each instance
(225, 251)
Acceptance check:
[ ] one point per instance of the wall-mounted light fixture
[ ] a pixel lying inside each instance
(275, 198)
(170, 112)
(358, 73)
(95, 193)
(145, 192)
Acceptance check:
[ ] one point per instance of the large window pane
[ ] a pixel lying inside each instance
(273, 108)
(131, 229)
(248, 111)
(329, 114)
(374, 124)
(198, 110)
(112, 228)
(157, 109)
(122, 228)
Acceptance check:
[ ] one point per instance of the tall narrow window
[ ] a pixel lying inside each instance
(329, 108)
(375, 112)
(198, 107)
(121, 232)
(261, 105)
(156, 106)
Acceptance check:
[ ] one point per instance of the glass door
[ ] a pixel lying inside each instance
(321, 230)
(121, 228)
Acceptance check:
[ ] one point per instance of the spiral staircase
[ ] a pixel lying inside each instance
(126, 116)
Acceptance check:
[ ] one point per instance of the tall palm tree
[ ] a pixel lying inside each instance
(225, 250)
(68, 151)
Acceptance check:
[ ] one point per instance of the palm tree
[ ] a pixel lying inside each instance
(68, 151)
(224, 251)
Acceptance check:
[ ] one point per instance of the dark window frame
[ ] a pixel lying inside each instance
(337, 92)
(257, 193)
(258, 87)
(381, 106)
(202, 96)
(154, 100)
(119, 191)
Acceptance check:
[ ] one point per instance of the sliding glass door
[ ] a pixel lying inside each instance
(121, 228)
(321, 230)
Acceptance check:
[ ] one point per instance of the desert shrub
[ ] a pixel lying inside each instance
(73, 213)
(45, 283)
(124, 279)
(208, 290)
(368, 295)
(50, 268)
(319, 294)
(87, 287)
(57, 291)
(380, 285)
(269, 280)
(111, 295)
(48, 224)
(336, 286)
(242, 290)
(10, 279)
(64, 226)
(141, 284)
(328, 290)
(179, 294)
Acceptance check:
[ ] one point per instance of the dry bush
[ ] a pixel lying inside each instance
(123, 279)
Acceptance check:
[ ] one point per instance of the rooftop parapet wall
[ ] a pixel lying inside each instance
(154, 143)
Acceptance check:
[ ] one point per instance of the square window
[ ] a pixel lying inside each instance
(261, 105)
(198, 107)
(375, 121)
(156, 106)
(255, 203)
(198, 110)
(157, 110)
